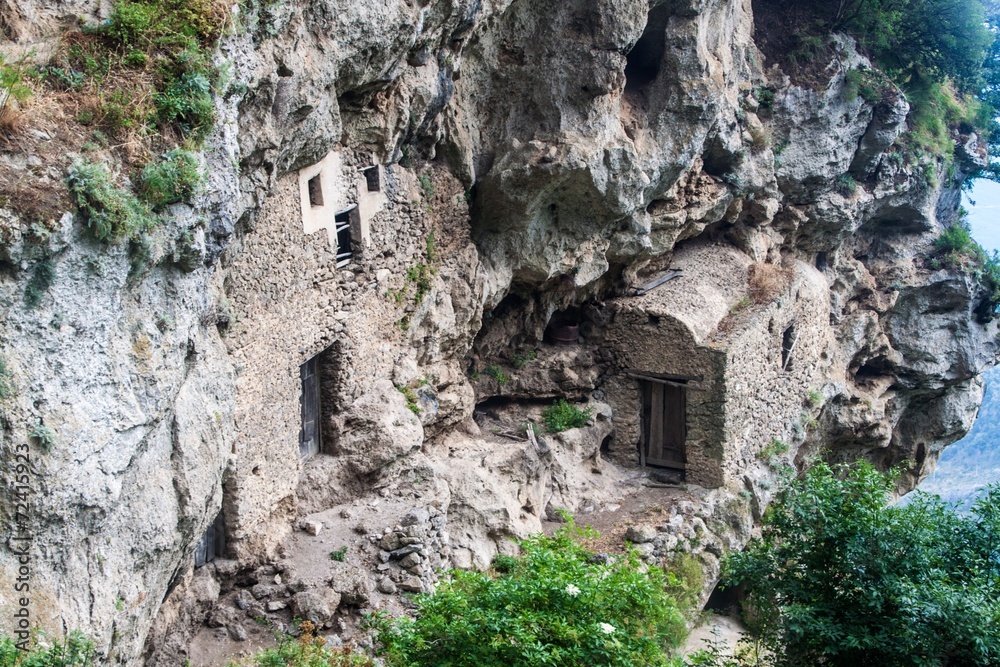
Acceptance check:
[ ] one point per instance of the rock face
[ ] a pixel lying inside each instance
(500, 173)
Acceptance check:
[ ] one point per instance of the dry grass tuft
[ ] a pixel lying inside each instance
(767, 281)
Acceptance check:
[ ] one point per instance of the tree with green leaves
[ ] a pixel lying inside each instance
(556, 605)
(839, 577)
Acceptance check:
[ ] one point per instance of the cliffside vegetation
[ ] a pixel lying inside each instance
(557, 604)
(941, 53)
(841, 578)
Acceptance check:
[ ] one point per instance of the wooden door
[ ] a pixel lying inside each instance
(664, 427)
(310, 433)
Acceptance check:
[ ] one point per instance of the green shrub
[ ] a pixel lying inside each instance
(42, 278)
(339, 555)
(497, 374)
(306, 650)
(839, 577)
(73, 651)
(412, 400)
(176, 177)
(773, 449)
(521, 360)
(44, 436)
(562, 416)
(12, 86)
(555, 606)
(110, 213)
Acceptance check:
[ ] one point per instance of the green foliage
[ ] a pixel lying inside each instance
(561, 416)
(176, 177)
(814, 399)
(412, 401)
(520, 360)
(42, 278)
(339, 555)
(12, 86)
(44, 436)
(864, 83)
(846, 185)
(497, 374)
(554, 606)
(773, 449)
(110, 213)
(306, 650)
(764, 97)
(425, 185)
(73, 651)
(150, 64)
(956, 249)
(839, 577)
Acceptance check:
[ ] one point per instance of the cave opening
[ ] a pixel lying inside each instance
(564, 326)
(645, 60)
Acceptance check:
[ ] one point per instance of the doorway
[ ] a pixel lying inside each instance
(310, 433)
(664, 424)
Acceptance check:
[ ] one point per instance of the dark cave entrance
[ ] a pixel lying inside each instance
(644, 61)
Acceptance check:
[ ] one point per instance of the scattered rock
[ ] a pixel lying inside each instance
(640, 534)
(311, 526)
(386, 586)
(317, 605)
(412, 585)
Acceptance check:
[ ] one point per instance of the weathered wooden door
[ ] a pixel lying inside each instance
(310, 433)
(664, 427)
(213, 542)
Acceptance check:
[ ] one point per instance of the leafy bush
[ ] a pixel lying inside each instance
(73, 651)
(149, 64)
(839, 577)
(307, 650)
(554, 606)
(176, 177)
(497, 374)
(42, 278)
(562, 416)
(44, 436)
(12, 89)
(109, 212)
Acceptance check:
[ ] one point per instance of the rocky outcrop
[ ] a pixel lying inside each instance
(538, 159)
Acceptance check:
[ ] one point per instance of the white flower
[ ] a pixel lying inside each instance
(607, 628)
(572, 590)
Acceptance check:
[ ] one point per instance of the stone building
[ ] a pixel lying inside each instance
(709, 369)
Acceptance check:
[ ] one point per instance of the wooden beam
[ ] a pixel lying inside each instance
(656, 282)
(659, 380)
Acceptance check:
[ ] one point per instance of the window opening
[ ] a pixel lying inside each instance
(316, 191)
(213, 543)
(309, 435)
(788, 340)
(372, 179)
(344, 221)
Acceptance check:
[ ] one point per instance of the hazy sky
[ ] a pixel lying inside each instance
(984, 216)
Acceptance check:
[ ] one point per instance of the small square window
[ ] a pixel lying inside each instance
(372, 179)
(315, 191)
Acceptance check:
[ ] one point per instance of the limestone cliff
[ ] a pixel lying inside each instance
(404, 198)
